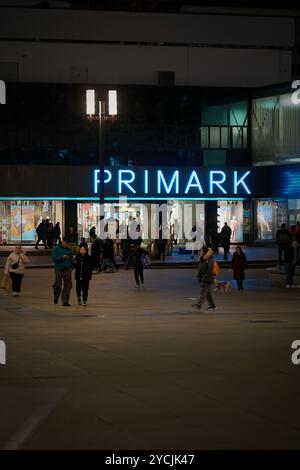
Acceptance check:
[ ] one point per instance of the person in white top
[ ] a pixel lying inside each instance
(15, 268)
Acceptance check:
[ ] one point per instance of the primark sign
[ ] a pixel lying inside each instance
(177, 183)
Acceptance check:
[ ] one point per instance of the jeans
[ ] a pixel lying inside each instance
(139, 275)
(82, 286)
(289, 274)
(16, 280)
(206, 293)
(66, 277)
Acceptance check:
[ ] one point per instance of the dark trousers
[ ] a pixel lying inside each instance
(41, 238)
(82, 286)
(139, 275)
(66, 277)
(57, 240)
(281, 254)
(205, 293)
(240, 285)
(162, 252)
(226, 251)
(16, 280)
(289, 274)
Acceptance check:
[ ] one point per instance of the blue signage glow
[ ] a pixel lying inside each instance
(185, 182)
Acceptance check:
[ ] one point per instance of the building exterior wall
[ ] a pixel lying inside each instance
(105, 47)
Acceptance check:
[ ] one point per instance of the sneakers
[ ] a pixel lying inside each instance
(137, 286)
(196, 306)
(84, 303)
(15, 294)
(212, 308)
(288, 286)
(79, 301)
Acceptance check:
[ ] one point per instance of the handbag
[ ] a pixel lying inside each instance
(16, 265)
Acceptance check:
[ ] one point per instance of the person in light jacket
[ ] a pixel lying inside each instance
(15, 268)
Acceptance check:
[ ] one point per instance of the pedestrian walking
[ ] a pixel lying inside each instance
(63, 263)
(50, 236)
(41, 232)
(135, 260)
(206, 278)
(83, 274)
(225, 236)
(15, 268)
(238, 266)
(57, 233)
(284, 240)
(96, 253)
(291, 260)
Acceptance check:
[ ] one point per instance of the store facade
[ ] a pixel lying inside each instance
(253, 201)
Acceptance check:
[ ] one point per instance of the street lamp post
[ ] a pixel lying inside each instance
(101, 118)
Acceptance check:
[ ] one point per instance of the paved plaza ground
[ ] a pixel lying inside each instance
(140, 369)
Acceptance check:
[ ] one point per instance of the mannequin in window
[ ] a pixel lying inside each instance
(234, 228)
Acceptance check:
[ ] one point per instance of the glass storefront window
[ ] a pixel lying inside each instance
(19, 219)
(269, 216)
(232, 213)
(294, 211)
(89, 216)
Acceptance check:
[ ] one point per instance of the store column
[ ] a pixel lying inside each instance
(211, 208)
(70, 216)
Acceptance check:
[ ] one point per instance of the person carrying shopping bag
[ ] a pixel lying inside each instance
(15, 268)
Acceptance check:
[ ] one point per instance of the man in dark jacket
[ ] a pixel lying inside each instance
(284, 240)
(63, 263)
(83, 274)
(225, 236)
(206, 278)
(41, 232)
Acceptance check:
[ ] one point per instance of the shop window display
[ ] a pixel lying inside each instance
(232, 213)
(89, 215)
(19, 219)
(270, 215)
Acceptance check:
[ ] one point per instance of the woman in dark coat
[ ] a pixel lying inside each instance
(135, 259)
(238, 266)
(83, 274)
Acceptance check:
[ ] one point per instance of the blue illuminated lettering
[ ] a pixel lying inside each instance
(241, 181)
(126, 182)
(146, 182)
(218, 182)
(192, 184)
(97, 180)
(161, 181)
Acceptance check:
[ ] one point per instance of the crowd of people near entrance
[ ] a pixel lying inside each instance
(68, 255)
